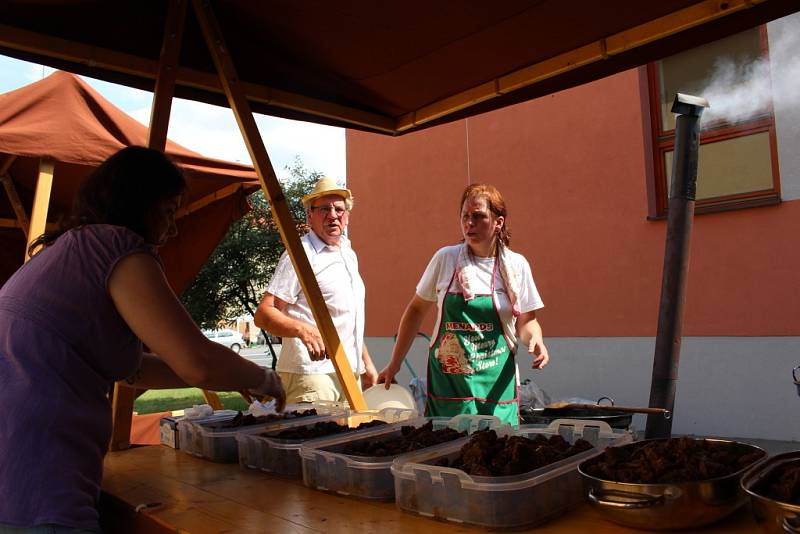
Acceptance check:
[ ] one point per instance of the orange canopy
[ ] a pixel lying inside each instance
(63, 118)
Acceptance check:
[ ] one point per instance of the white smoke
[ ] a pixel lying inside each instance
(737, 92)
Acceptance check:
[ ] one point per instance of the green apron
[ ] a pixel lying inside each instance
(471, 369)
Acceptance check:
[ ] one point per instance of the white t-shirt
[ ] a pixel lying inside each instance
(336, 270)
(433, 286)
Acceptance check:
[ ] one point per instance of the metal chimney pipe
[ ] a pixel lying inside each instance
(676, 262)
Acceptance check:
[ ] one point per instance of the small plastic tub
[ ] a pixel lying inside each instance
(188, 429)
(278, 456)
(327, 468)
(219, 444)
(508, 502)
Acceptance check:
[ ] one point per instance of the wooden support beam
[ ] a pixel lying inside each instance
(167, 70)
(41, 201)
(14, 223)
(272, 189)
(16, 203)
(7, 162)
(213, 399)
(645, 33)
(122, 403)
(208, 199)
(9, 223)
(162, 103)
(56, 48)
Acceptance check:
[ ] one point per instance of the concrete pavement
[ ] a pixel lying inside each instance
(260, 354)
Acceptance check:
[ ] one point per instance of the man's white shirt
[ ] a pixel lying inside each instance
(336, 270)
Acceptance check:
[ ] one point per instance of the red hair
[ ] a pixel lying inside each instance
(495, 202)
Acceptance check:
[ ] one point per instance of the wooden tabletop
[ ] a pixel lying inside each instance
(191, 495)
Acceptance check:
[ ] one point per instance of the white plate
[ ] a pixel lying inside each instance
(378, 397)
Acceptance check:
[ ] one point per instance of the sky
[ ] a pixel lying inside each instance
(212, 130)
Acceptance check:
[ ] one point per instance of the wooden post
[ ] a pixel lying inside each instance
(200, 203)
(6, 165)
(13, 197)
(167, 70)
(124, 396)
(213, 399)
(122, 410)
(272, 189)
(16, 203)
(41, 201)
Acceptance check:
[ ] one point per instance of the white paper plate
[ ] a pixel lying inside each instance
(378, 397)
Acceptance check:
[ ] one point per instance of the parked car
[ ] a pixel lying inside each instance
(230, 338)
(275, 340)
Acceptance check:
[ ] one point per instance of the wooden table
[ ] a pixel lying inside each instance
(187, 494)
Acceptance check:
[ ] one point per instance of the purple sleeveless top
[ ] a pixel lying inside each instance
(62, 345)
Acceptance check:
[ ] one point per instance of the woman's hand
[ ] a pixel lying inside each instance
(386, 376)
(539, 353)
(529, 332)
(271, 386)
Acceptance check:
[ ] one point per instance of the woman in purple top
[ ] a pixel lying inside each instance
(72, 322)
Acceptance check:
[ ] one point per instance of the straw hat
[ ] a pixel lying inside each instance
(327, 186)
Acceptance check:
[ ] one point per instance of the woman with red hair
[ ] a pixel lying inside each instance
(486, 300)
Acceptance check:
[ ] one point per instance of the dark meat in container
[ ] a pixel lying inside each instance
(773, 516)
(667, 506)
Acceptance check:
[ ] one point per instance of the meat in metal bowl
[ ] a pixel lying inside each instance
(669, 484)
(774, 489)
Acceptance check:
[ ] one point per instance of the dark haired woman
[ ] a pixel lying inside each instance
(487, 301)
(73, 320)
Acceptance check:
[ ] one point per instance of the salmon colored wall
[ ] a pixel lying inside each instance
(572, 168)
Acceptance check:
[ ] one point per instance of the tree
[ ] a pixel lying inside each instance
(234, 278)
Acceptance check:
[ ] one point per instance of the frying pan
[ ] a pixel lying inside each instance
(615, 416)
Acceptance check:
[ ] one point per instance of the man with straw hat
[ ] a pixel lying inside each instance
(306, 371)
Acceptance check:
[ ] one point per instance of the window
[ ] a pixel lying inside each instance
(738, 156)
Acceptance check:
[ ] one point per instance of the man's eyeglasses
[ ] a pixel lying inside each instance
(337, 211)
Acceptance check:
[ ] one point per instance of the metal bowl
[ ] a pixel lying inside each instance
(666, 506)
(773, 516)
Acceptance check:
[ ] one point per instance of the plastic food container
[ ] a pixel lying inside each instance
(500, 502)
(327, 468)
(219, 444)
(188, 429)
(279, 456)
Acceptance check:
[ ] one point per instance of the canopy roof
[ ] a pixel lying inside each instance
(390, 67)
(62, 118)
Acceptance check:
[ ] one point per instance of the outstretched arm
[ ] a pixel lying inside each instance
(370, 376)
(185, 356)
(409, 326)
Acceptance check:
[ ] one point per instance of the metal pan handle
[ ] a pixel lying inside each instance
(633, 500)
